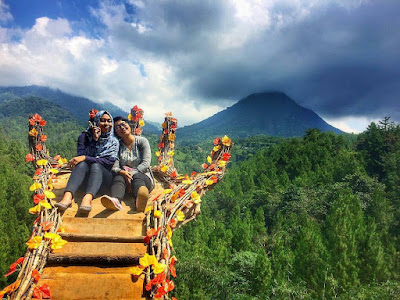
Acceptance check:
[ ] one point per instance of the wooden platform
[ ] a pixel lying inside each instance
(102, 246)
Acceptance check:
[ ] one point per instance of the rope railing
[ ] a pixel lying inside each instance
(44, 235)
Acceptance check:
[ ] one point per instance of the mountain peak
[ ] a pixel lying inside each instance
(270, 113)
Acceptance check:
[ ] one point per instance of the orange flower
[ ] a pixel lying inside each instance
(11, 288)
(29, 157)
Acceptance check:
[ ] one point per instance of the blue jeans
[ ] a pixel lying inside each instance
(96, 174)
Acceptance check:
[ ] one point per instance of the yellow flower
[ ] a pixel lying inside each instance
(226, 141)
(141, 123)
(42, 162)
(49, 194)
(216, 148)
(222, 163)
(130, 117)
(209, 159)
(34, 242)
(57, 243)
(164, 168)
(53, 171)
(169, 232)
(158, 268)
(137, 270)
(35, 186)
(180, 215)
(171, 153)
(157, 213)
(187, 181)
(209, 182)
(149, 208)
(164, 125)
(35, 209)
(167, 191)
(147, 260)
(158, 153)
(45, 204)
(33, 132)
(51, 236)
(196, 197)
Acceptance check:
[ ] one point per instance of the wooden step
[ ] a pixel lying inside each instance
(80, 283)
(74, 237)
(98, 253)
(113, 227)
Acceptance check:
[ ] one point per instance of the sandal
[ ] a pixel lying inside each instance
(62, 206)
(111, 203)
(84, 209)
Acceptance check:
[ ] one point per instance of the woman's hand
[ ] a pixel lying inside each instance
(96, 132)
(76, 160)
(127, 176)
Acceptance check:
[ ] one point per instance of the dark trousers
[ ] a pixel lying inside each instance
(119, 185)
(95, 174)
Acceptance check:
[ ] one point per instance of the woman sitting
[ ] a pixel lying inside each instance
(97, 152)
(132, 169)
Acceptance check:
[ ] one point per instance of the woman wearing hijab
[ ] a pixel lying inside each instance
(97, 152)
(132, 168)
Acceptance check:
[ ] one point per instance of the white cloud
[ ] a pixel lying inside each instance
(352, 124)
(196, 58)
(5, 15)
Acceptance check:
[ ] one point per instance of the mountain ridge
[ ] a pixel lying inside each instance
(76, 105)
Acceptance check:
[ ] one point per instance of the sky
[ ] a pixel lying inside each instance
(339, 58)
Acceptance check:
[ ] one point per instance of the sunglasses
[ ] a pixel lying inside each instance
(120, 125)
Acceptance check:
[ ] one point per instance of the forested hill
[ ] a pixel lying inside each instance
(310, 218)
(273, 114)
(77, 106)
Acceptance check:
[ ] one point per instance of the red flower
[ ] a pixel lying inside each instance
(170, 285)
(39, 147)
(212, 166)
(35, 275)
(13, 266)
(37, 198)
(37, 117)
(43, 138)
(29, 157)
(160, 292)
(42, 123)
(216, 141)
(193, 173)
(173, 223)
(165, 253)
(182, 192)
(93, 113)
(172, 266)
(42, 292)
(161, 145)
(173, 174)
(46, 225)
(226, 156)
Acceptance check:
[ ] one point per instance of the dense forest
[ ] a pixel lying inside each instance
(315, 217)
(309, 218)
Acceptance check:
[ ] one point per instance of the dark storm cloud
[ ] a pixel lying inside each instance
(337, 59)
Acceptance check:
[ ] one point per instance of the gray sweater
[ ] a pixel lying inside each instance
(139, 158)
